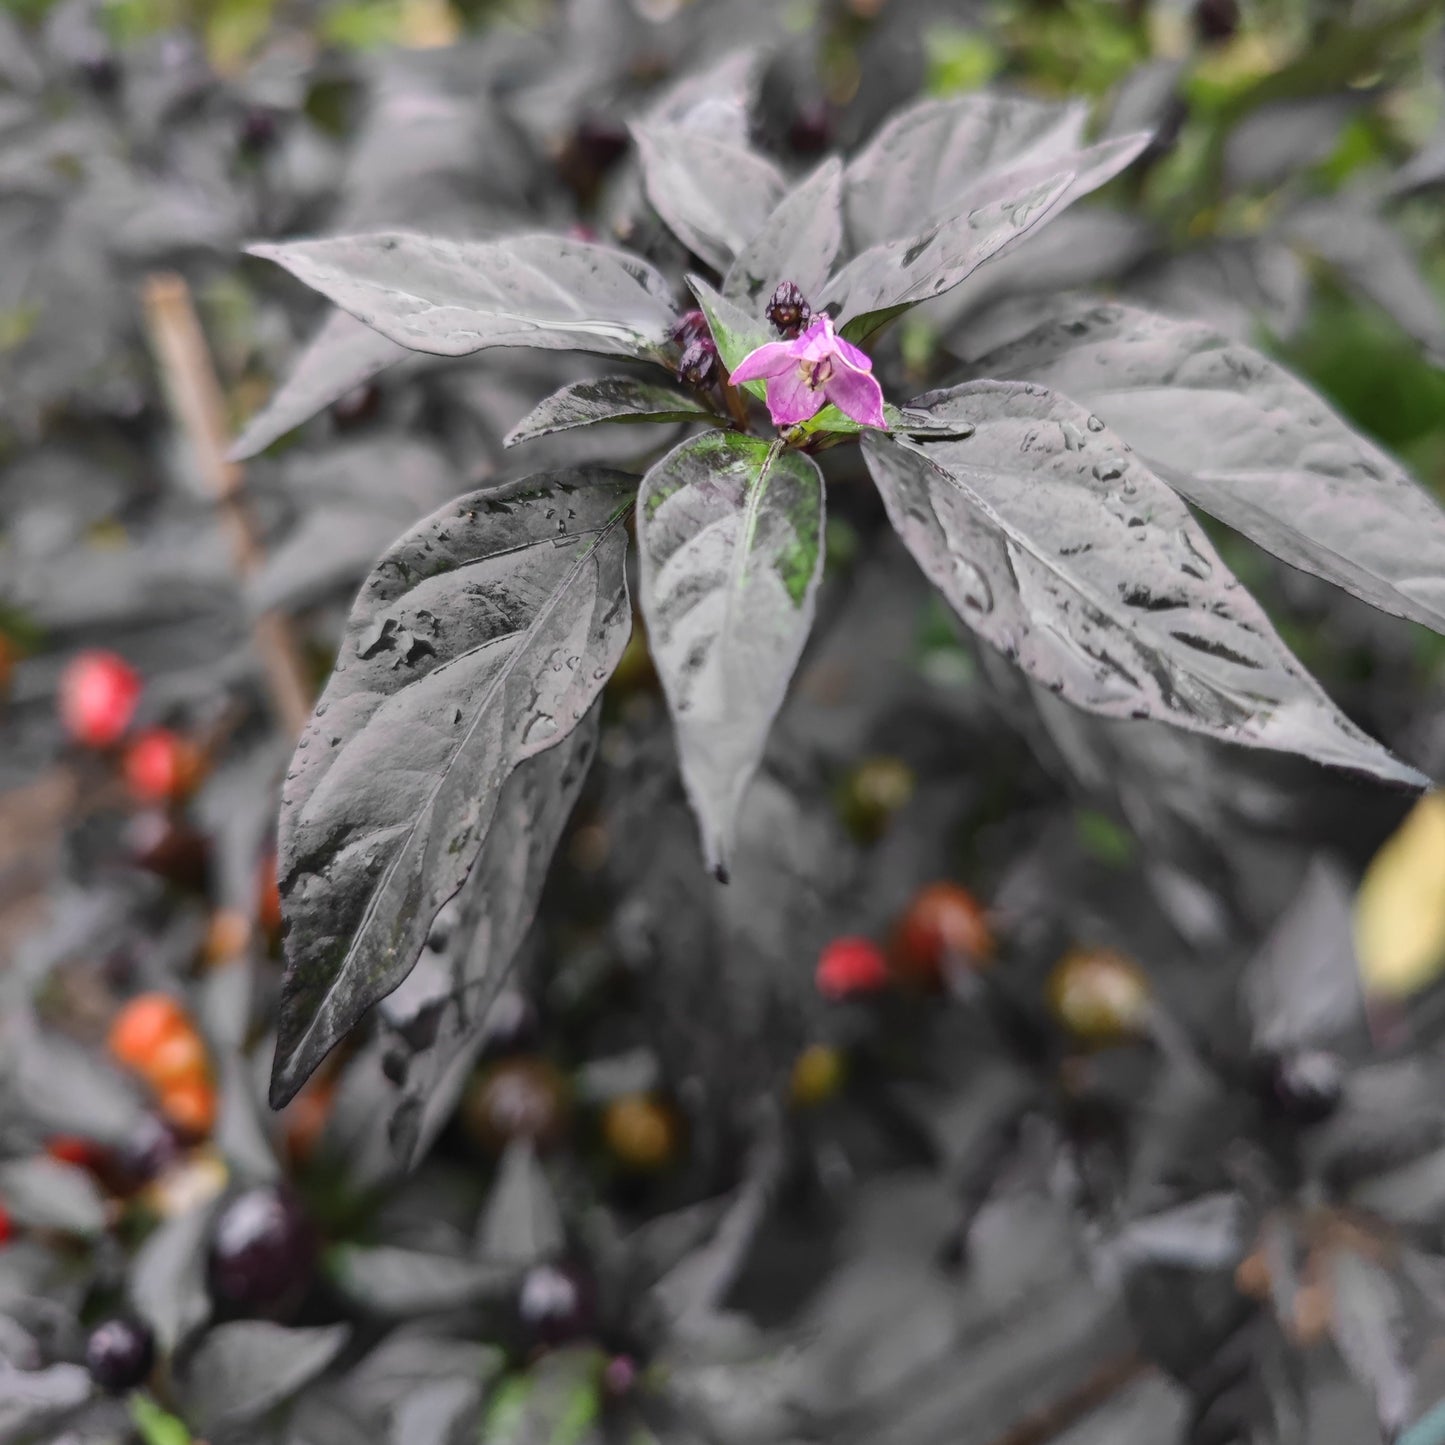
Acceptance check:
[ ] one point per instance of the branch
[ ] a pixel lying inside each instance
(196, 402)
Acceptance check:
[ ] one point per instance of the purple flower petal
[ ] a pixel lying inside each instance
(858, 360)
(855, 393)
(769, 359)
(792, 398)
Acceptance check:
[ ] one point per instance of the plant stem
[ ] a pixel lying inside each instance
(737, 407)
(196, 401)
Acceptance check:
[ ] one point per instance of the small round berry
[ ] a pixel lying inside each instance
(872, 793)
(698, 366)
(161, 766)
(100, 72)
(73, 1150)
(7, 1227)
(227, 934)
(1304, 1087)
(119, 1355)
(641, 1132)
(517, 1098)
(359, 404)
(943, 928)
(155, 1148)
(818, 1075)
(1099, 995)
(788, 309)
(190, 1104)
(180, 1057)
(262, 1249)
(305, 1119)
(143, 1025)
(619, 1377)
(810, 132)
(851, 966)
(268, 897)
(259, 130)
(1216, 21)
(170, 848)
(555, 1303)
(98, 696)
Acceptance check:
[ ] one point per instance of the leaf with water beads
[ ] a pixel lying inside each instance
(480, 640)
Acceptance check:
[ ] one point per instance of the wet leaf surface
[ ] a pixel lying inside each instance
(715, 195)
(798, 242)
(242, 1370)
(1239, 437)
(452, 298)
(1063, 550)
(892, 276)
(610, 399)
(731, 540)
(480, 640)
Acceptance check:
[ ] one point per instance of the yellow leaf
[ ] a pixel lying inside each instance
(1400, 908)
(428, 24)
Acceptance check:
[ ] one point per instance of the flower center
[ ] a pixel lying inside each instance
(816, 373)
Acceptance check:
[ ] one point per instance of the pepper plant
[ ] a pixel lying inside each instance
(1047, 495)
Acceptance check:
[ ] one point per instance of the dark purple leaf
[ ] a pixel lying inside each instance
(452, 298)
(730, 531)
(1240, 437)
(1064, 551)
(481, 640)
(610, 399)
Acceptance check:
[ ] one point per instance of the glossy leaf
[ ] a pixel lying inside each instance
(1303, 986)
(930, 155)
(890, 277)
(343, 355)
(167, 1284)
(395, 1282)
(42, 1193)
(239, 1371)
(1367, 1321)
(797, 243)
(1241, 438)
(452, 298)
(610, 399)
(730, 532)
(480, 640)
(494, 911)
(941, 158)
(715, 196)
(1062, 550)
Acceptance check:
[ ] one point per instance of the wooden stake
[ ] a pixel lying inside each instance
(196, 401)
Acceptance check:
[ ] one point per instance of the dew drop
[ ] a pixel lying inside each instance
(1094, 424)
(1108, 470)
(541, 727)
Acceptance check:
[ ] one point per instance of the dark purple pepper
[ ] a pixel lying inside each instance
(811, 130)
(262, 1250)
(357, 405)
(555, 1303)
(698, 366)
(258, 131)
(788, 309)
(1216, 21)
(1303, 1088)
(119, 1355)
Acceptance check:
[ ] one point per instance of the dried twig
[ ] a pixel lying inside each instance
(195, 397)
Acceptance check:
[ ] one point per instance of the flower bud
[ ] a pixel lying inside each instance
(698, 366)
(789, 310)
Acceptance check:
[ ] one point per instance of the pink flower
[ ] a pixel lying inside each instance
(818, 367)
